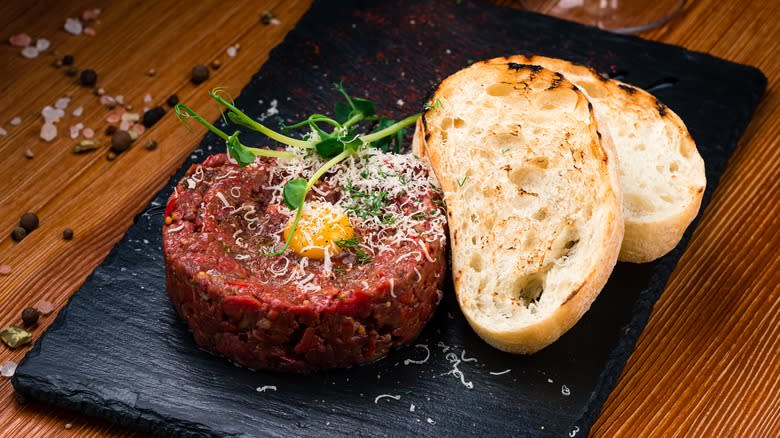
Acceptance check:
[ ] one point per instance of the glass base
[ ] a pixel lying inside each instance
(620, 16)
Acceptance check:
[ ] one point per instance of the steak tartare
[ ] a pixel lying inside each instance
(335, 300)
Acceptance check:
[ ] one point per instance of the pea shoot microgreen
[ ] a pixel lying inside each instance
(332, 138)
(462, 181)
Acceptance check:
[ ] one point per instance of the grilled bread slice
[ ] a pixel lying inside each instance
(532, 196)
(661, 172)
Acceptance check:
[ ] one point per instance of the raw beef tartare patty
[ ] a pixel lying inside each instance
(346, 302)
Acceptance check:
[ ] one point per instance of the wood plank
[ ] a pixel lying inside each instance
(708, 363)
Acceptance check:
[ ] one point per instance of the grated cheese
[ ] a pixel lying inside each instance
(381, 396)
(420, 362)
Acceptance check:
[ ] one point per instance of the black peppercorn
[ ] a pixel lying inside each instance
(110, 129)
(151, 145)
(18, 234)
(67, 60)
(153, 116)
(120, 141)
(172, 100)
(88, 78)
(267, 17)
(67, 234)
(199, 74)
(29, 221)
(30, 316)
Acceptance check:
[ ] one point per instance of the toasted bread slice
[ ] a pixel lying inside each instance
(532, 196)
(661, 172)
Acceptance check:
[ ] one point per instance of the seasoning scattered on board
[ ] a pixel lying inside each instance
(15, 337)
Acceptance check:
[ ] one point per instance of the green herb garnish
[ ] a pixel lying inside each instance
(334, 139)
(462, 181)
(352, 244)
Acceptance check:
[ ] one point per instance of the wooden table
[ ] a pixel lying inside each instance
(708, 363)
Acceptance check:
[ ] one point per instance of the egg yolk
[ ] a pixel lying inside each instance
(321, 226)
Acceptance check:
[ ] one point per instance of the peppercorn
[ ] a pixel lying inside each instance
(151, 72)
(29, 154)
(215, 64)
(72, 71)
(88, 78)
(111, 156)
(120, 141)
(30, 316)
(110, 129)
(29, 221)
(153, 116)
(67, 60)
(267, 17)
(67, 234)
(18, 234)
(57, 63)
(99, 91)
(199, 74)
(172, 100)
(151, 145)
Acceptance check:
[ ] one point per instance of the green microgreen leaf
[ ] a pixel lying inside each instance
(330, 147)
(238, 151)
(294, 193)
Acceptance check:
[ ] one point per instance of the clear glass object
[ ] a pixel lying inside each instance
(620, 16)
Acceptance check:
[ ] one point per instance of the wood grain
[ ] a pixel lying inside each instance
(708, 363)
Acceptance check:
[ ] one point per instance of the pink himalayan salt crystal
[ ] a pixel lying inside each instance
(62, 103)
(48, 131)
(147, 98)
(42, 44)
(91, 14)
(30, 52)
(3, 132)
(20, 40)
(73, 26)
(51, 114)
(113, 118)
(125, 124)
(232, 51)
(107, 100)
(75, 130)
(8, 368)
(78, 111)
(5, 269)
(138, 128)
(90, 31)
(16, 121)
(45, 307)
(88, 133)
(120, 99)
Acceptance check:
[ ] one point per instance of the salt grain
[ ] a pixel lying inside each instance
(125, 124)
(88, 133)
(8, 368)
(90, 14)
(78, 111)
(565, 390)
(3, 132)
(147, 98)
(74, 131)
(5, 269)
(113, 118)
(30, 52)
(62, 103)
(68, 426)
(120, 99)
(48, 131)
(107, 100)
(399, 102)
(16, 121)
(90, 32)
(45, 307)
(51, 114)
(20, 40)
(42, 44)
(231, 51)
(73, 26)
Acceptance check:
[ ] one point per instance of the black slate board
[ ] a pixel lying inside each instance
(117, 350)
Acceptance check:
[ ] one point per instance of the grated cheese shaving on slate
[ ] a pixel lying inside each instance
(381, 396)
(266, 387)
(420, 362)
